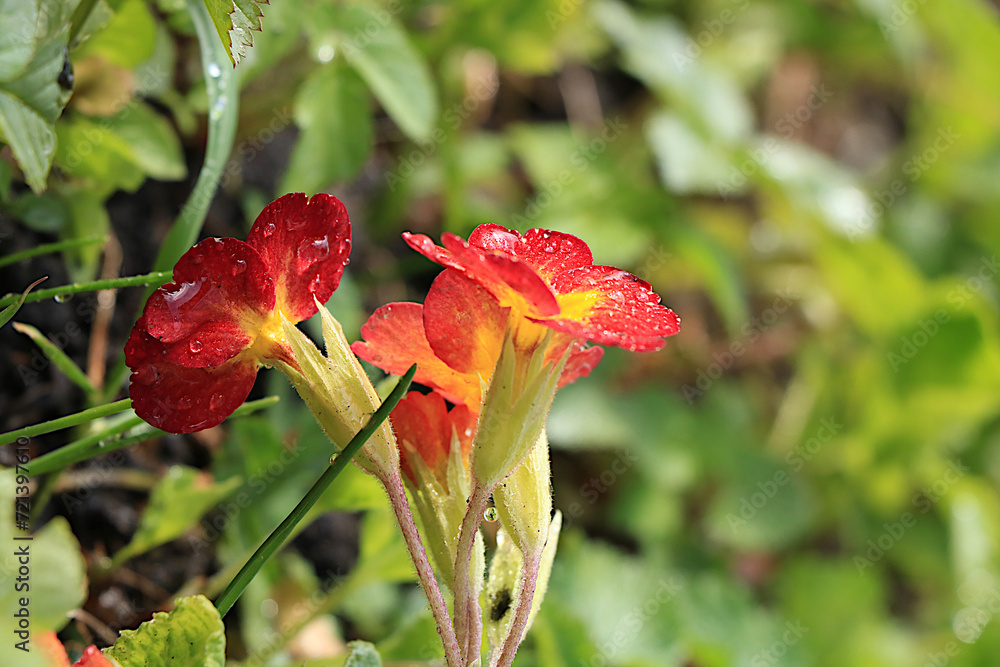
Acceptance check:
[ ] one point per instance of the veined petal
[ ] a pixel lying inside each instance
(611, 307)
(182, 399)
(511, 281)
(220, 292)
(394, 340)
(464, 324)
(305, 244)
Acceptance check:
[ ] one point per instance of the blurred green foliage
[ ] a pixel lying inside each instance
(807, 474)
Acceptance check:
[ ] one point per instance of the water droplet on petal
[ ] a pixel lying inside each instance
(268, 229)
(310, 252)
(239, 267)
(195, 346)
(215, 401)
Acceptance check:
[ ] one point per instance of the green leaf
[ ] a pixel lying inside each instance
(234, 19)
(89, 149)
(57, 581)
(391, 66)
(362, 654)
(332, 111)
(127, 40)
(177, 503)
(17, 39)
(31, 102)
(191, 634)
(55, 354)
(155, 146)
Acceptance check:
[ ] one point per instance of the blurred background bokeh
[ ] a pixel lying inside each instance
(805, 475)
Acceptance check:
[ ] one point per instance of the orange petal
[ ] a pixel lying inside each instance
(464, 324)
(394, 340)
(424, 427)
(305, 244)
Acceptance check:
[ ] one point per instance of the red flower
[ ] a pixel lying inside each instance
(549, 278)
(194, 351)
(455, 339)
(427, 430)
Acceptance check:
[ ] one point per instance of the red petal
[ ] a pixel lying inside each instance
(582, 360)
(394, 340)
(305, 244)
(464, 324)
(92, 657)
(612, 307)
(512, 282)
(221, 291)
(552, 253)
(181, 399)
(424, 427)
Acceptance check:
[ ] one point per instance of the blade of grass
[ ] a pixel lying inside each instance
(155, 278)
(239, 583)
(58, 357)
(46, 248)
(12, 309)
(114, 438)
(76, 419)
(223, 110)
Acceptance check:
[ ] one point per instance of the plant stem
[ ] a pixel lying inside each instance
(46, 248)
(529, 579)
(397, 496)
(243, 578)
(67, 421)
(154, 278)
(468, 615)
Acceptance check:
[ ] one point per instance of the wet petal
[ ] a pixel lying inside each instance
(464, 324)
(552, 253)
(394, 340)
(305, 243)
(182, 399)
(221, 291)
(612, 307)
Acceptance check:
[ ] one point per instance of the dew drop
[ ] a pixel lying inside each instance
(214, 70)
(62, 298)
(215, 401)
(215, 113)
(102, 444)
(268, 229)
(195, 346)
(490, 514)
(311, 252)
(239, 267)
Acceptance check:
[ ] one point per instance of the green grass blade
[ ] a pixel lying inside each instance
(46, 248)
(16, 304)
(66, 422)
(223, 110)
(239, 583)
(155, 278)
(113, 438)
(57, 357)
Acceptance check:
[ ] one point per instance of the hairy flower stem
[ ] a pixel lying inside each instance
(529, 578)
(468, 615)
(393, 484)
